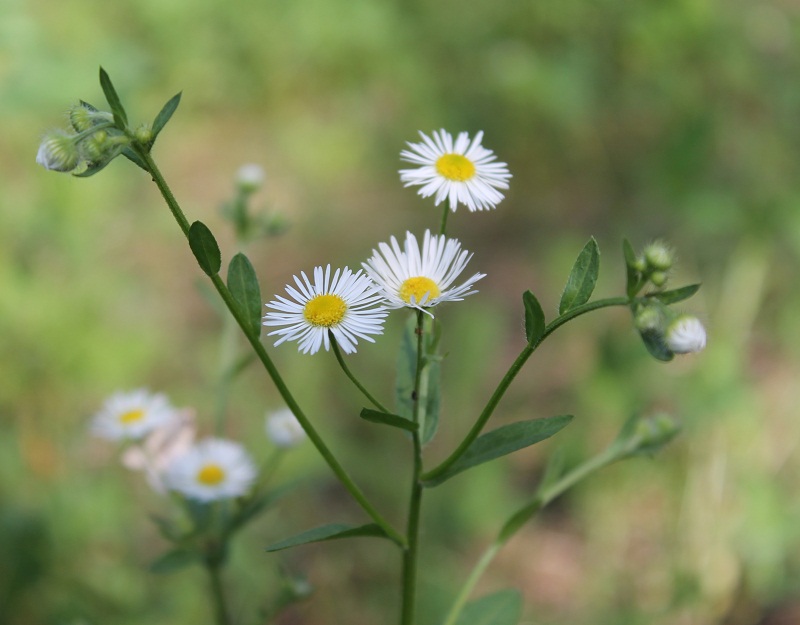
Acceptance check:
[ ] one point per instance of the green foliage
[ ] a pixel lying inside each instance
(164, 115)
(534, 318)
(429, 388)
(582, 278)
(331, 531)
(375, 416)
(205, 249)
(503, 607)
(120, 116)
(243, 285)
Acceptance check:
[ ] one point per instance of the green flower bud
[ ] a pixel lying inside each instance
(84, 117)
(650, 318)
(659, 278)
(652, 433)
(144, 134)
(58, 152)
(659, 256)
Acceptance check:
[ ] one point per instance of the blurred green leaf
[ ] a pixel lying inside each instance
(502, 441)
(375, 416)
(175, 560)
(632, 275)
(500, 608)
(534, 318)
(582, 278)
(205, 249)
(331, 531)
(654, 343)
(164, 115)
(243, 285)
(120, 116)
(676, 295)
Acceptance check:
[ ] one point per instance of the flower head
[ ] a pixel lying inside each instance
(213, 469)
(462, 171)
(420, 279)
(132, 415)
(284, 429)
(685, 335)
(58, 151)
(250, 177)
(344, 304)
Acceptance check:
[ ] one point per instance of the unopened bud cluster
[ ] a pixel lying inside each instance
(646, 435)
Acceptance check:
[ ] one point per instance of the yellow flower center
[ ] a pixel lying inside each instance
(132, 416)
(417, 288)
(455, 167)
(325, 310)
(211, 475)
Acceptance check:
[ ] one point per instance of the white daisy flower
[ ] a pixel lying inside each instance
(213, 469)
(344, 305)
(250, 177)
(417, 279)
(284, 429)
(132, 415)
(463, 172)
(686, 335)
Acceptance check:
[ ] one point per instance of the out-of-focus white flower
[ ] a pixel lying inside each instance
(685, 335)
(250, 177)
(132, 415)
(213, 469)
(461, 171)
(157, 451)
(344, 304)
(420, 279)
(284, 429)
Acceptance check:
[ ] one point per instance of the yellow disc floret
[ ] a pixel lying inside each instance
(417, 288)
(211, 475)
(131, 416)
(325, 310)
(455, 167)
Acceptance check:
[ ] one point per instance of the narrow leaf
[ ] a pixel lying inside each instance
(499, 608)
(582, 278)
(204, 247)
(93, 168)
(375, 416)
(164, 115)
(502, 441)
(519, 518)
(631, 274)
(676, 295)
(654, 343)
(243, 285)
(329, 532)
(134, 158)
(174, 560)
(120, 117)
(534, 318)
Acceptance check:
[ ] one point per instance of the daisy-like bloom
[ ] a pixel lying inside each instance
(686, 335)
(213, 469)
(132, 415)
(420, 279)
(462, 171)
(344, 304)
(284, 429)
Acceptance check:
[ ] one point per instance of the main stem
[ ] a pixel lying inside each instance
(410, 554)
(272, 371)
(217, 593)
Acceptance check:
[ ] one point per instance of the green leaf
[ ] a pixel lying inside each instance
(676, 295)
(332, 531)
(258, 504)
(534, 318)
(120, 116)
(654, 342)
(243, 285)
(499, 608)
(375, 416)
(204, 247)
(582, 278)
(502, 441)
(93, 168)
(164, 115)
(175, 560)
(134, 158)
(632, 275)
(166, 528)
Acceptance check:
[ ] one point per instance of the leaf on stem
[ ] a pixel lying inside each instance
(676, 295)
(164, 115)
(582, 278)
(120, 117)
(205, 249)
(174, 560)
(654, 342)
(376, 416)
(631, 274)
(134, 158)
(534, 318)
(93, 168)
(502, 441)
(499, 608)
(243, 285)
(331, 531)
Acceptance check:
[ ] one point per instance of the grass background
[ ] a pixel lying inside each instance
(672, 119)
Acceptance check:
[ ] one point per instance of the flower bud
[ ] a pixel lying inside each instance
(649, 319)
(652, 433)
(83, 117)
(144, 134)
(685, 335)
(284, 429)
(658, 278)
(250, 177)
(58, 152)
(658, 256)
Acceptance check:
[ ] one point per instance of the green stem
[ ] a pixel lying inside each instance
(269, 366)
(338, 353)
(511, 374)
(411, 553)
(218, 599)
(445, 214)
(469, 585)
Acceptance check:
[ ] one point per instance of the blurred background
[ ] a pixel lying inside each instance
(672, 119)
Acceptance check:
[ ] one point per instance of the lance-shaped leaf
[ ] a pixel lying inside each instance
(134, 158)
(632, 285)
(534, 318)
(120, 117)
(93, 168)
(582, 278)
(499, 608)
(676, 295)
(332, 531)
(164, 115)
(243, 285)
(502, 441)
(205, 249)
(376, 416)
